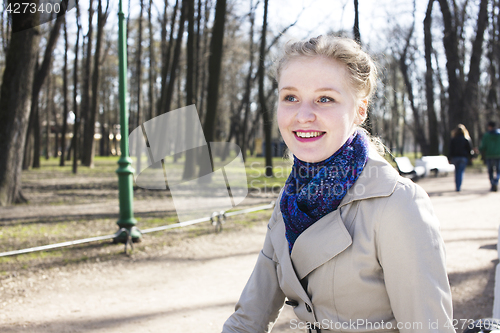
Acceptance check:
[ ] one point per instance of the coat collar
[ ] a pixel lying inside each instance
(378, 179)
(328, 236)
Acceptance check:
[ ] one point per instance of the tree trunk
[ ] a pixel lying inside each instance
(138, 76)
(28, 144)
(197, 47)
(418, 128)
(175, 58)
(189, 165)
(36, 139)
(452, 66)
(47, 121)
(65, 97)
(85, 106)
(214, 67)
(248, 85)
(77, 124)
(51, 107)
(203, 81)
(139, 66)
(15, 99)
(39, 78)
(429, 84)
(70, 149)
(470, 96)
(88, 149)
(357, 35)
(443, 101)
(165, 65)
(492, 97)
(152, 62)
(266, 115)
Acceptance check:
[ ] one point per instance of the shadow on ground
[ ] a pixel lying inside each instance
(89, 325)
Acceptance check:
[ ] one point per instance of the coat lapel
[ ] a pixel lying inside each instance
(290, 284)
(326, 238)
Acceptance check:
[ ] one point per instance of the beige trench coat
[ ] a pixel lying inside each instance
(376, 264)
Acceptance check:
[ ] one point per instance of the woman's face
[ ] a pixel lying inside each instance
(317, 108)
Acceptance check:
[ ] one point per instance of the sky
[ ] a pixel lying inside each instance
(315, 17)
(320, 16)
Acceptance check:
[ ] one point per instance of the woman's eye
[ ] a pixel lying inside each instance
(325, 99)
(290, 98)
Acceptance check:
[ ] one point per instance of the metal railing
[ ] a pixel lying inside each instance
(217, 219)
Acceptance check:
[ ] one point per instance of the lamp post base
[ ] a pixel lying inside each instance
(125, 235)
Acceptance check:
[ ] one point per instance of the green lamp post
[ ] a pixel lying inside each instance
(125, 171)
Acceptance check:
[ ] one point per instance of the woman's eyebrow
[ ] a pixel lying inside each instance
(317, 90)
(289, 88)
(327, 89)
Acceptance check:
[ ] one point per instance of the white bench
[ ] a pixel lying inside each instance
(437, 164)
(407, 169)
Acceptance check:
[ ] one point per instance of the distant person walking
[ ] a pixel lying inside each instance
(460, 153)
(490, 150)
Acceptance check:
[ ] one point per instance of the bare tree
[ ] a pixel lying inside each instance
(462, 95)
(203, 61)
(65, 96)
(152, 62)
(429, 84)
(214, 68)
(175, 58)
(166, 50)
(88, 151)
(77, 124)
(417, 119)
(15, 104)
(493, 62)
(189, 166)
(266, 114)
(138, 75)
(85, 89)
(41, 73)
(357, 35)
(248, 83)
(471, 93)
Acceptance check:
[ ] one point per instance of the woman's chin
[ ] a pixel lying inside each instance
(310, 158)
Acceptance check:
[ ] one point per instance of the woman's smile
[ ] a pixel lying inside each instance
(308, 136)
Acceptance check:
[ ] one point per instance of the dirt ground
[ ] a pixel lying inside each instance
(192, 285)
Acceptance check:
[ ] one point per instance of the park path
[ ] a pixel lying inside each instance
(193, 286)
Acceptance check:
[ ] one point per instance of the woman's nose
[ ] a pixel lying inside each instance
(305, 114)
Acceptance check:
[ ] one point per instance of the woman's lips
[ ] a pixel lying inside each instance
(308, 136)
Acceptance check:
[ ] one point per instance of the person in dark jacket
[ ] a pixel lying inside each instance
(490, 149)
(460, 153)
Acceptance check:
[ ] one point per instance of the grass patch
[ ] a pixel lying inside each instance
(52, 185)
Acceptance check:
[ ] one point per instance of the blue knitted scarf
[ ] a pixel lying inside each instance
(315, 189)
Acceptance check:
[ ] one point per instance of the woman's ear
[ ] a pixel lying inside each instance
(361, 112)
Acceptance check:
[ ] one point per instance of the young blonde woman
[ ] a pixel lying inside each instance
(460, 153)
(351, 246)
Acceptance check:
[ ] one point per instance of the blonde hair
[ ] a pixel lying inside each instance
(460, 129)
(362, 71)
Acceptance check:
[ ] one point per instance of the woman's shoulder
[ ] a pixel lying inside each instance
(389, 189)
(408, 206)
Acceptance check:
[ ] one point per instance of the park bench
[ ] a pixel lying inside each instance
(406, 169)
(439, 165)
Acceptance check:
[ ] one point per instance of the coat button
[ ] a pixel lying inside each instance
(291, 302)
(308, 308)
